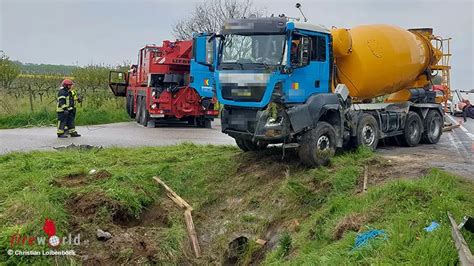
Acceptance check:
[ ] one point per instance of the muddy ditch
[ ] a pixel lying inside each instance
(134, 239)
(246, 207)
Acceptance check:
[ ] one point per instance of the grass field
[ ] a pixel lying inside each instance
(100, 108)
(307, 216)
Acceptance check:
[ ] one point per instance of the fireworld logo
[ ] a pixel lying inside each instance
(51, 239)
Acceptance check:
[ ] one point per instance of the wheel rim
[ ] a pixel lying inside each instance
(323, 143)
(368, 135)
(434, 126)
(413, 128)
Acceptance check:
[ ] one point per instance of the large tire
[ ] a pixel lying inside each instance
(433, 127)
(204, 123)
(132, 105)
(144, 114)
(367, 133)
(139, 109)
(318, 145)
(248, 145)
(127, 105)
(413, 130)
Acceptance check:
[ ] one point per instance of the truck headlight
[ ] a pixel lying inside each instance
(277, 95)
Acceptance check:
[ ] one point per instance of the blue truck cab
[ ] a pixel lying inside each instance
(273, 76)
(202, 65)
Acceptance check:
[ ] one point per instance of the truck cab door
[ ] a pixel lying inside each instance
(203, 65)
(118, 83)
(310, 62)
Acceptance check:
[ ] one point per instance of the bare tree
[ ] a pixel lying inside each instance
(209, 16)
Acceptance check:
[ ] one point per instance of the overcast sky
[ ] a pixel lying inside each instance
(106, 31)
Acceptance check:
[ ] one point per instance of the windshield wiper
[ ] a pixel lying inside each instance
(265, 65)
(233, 63)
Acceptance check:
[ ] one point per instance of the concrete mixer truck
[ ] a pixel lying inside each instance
(314, 89)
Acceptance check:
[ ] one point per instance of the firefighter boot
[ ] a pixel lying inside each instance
(75, 134)
(62, 136)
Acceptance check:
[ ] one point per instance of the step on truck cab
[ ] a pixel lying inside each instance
(302, 85)
(171, 82)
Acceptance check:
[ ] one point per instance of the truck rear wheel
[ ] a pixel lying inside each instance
(248, 145)
(130, 104)
(318, 145)
(127, 105)
(144, 114)
(413, 130)
(433, 127)
(139, 109)
(204, 123)
(367, 132)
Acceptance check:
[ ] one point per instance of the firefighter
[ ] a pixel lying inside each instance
(66, 109)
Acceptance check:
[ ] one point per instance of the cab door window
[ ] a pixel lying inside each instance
(300, 51)
(318, 48)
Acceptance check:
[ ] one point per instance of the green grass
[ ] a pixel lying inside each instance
(234, 194)
(96, 109)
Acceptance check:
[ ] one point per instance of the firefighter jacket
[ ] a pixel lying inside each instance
(66, 99)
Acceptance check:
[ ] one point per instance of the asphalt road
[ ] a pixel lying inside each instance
(128, 134)
(454, 152)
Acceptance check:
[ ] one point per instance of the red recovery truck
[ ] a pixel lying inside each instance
(158, 88)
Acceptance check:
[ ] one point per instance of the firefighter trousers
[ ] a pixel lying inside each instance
(66, 122)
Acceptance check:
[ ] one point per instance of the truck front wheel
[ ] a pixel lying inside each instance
(367, 132)
(248, 145)
(318, 145)
(433, 127)
(413, 130)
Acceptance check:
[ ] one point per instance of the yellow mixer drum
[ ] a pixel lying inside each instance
(382, 59)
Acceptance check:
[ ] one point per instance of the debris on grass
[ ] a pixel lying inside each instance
(103, 235)
(187, 215)
(468, 223)
(73, 146)
(260, 242)
(464, 253)
(433, 226)
(364, 238)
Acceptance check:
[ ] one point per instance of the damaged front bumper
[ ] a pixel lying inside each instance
(255, 125)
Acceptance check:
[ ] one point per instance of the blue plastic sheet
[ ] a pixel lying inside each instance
(433, 226)
(362, 239)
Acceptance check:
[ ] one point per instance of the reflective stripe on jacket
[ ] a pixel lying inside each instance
(66, 99)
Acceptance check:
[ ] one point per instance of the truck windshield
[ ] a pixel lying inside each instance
(266, 50)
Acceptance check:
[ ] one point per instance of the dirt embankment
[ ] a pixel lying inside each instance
(251, 204)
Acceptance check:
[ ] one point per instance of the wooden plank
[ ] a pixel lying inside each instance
(465, 255)
(192, 232)
(173, 196)
(449, 128)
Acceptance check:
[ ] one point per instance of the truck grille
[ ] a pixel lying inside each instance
(244, 87)
(234, 92)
